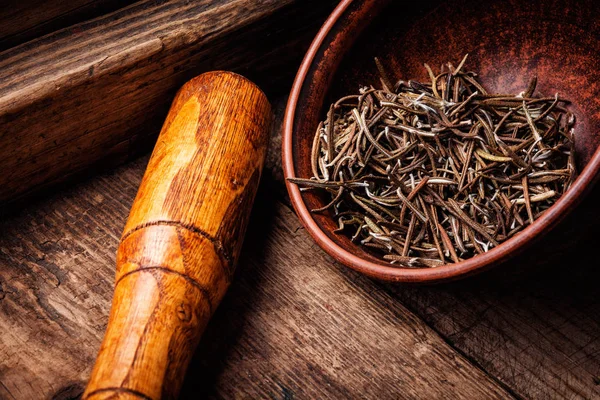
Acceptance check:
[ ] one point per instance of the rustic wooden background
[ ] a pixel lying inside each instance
(295, 324)
(92, 94)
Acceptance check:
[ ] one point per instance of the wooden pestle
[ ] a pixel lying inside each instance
(183, 236)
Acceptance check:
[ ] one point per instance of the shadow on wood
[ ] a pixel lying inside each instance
(231, 318)
(534, 323)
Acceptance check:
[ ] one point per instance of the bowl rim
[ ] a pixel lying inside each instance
(502, 252)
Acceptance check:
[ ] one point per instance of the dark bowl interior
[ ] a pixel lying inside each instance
(508, 42)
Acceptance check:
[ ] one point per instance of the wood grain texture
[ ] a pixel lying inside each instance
(183, 236)
(538, 333)
(314, 333)
(291, 325)
(295, 324)
(95, 93)
(24, 20)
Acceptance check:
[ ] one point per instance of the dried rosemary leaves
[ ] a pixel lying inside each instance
(426, 174)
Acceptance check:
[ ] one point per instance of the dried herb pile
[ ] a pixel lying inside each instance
(425, 174)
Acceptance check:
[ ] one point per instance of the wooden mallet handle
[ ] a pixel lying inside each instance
(183, 236)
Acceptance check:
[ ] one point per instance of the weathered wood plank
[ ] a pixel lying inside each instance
(96, 93)
(534, 323)
(24, 20)
(539, 334)
(277, 335)
(291, 325)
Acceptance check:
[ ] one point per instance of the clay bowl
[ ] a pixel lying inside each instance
(508, 42)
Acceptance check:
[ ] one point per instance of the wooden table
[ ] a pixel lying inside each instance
(296, 324)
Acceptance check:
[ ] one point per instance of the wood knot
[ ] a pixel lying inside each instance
(235, 184)
(184, 312)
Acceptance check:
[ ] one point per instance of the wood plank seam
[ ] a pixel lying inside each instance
(417, 315)
(149, 48)
(25, 21)
(109, 57)
(468, 358)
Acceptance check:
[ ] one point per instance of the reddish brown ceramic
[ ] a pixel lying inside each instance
(508, 42)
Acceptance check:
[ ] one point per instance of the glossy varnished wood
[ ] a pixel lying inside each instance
(294, 323)
(183, 236)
